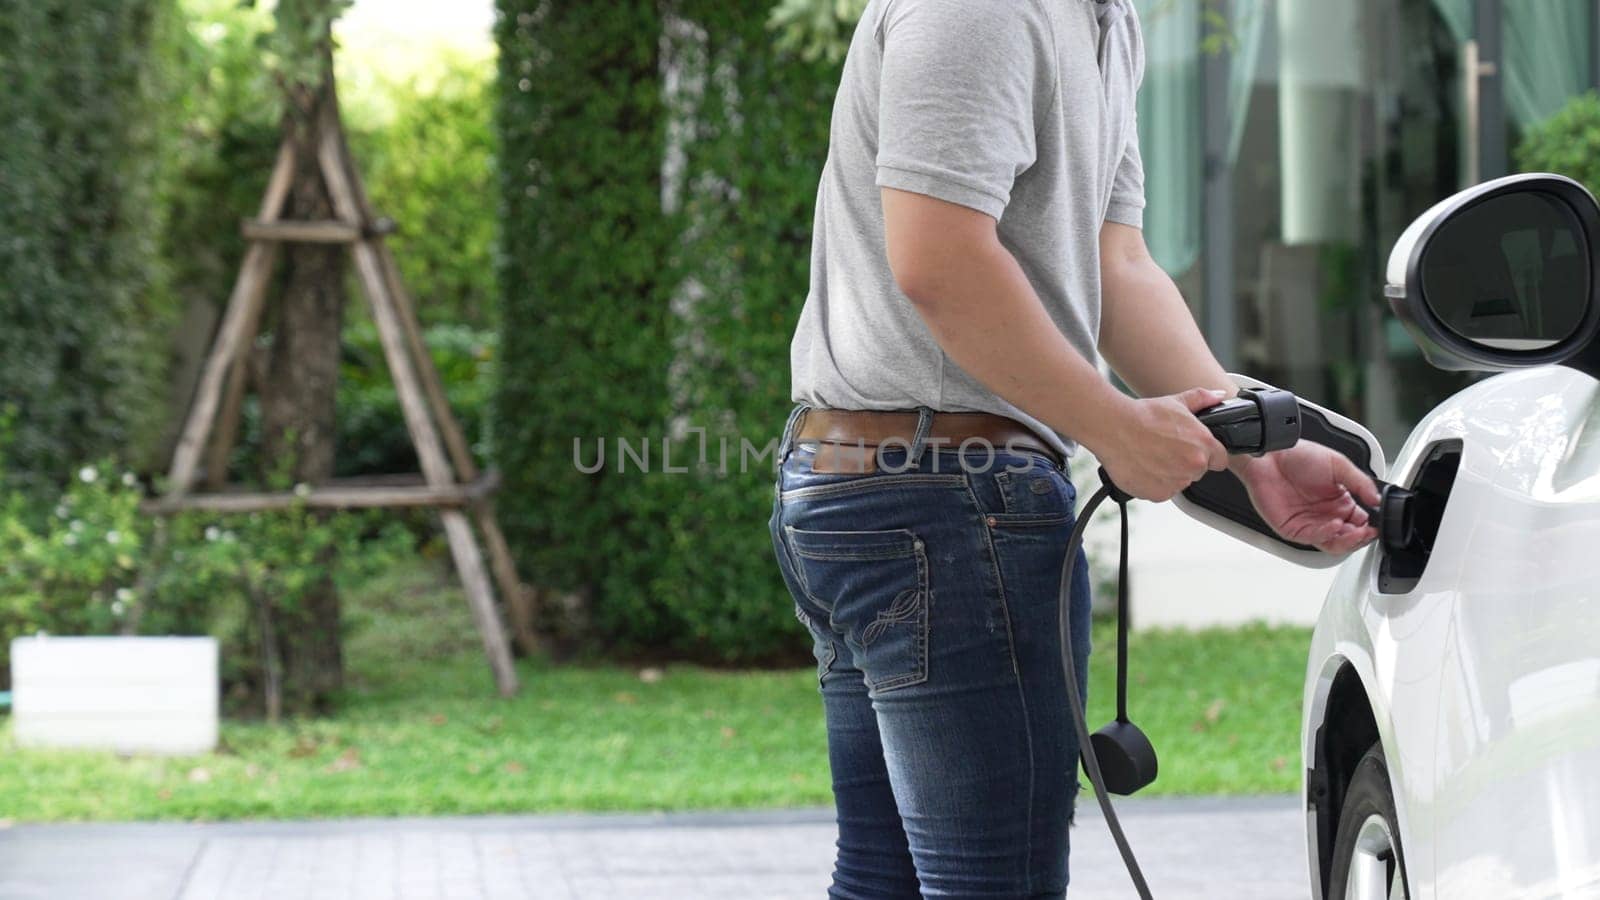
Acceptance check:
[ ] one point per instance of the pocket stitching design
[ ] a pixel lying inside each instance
(922, 594)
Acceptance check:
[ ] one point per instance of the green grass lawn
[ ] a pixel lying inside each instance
(422, 733)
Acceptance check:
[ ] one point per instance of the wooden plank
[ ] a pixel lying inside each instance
(455, 438)
(301, 232)
(237, 330)
(278, 183)
(521, 608)
(227, 425)
(430, 452)
(518, 596)
(405, 307)
(480, 599)
(330, 497)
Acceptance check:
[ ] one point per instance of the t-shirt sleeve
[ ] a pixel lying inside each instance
(1127, 186)
(962, 85)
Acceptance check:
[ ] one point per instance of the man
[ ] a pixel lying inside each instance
(977, 242)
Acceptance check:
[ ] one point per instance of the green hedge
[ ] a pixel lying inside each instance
(1568, 143)
(83, 294)
(622, 318)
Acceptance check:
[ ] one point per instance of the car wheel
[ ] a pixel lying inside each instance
(1368, 862)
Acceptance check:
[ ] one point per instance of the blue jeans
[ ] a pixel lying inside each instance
(931, 597)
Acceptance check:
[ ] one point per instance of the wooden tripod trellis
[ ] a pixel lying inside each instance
(450, 479)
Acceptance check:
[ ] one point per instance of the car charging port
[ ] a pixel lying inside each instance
(1409, 518)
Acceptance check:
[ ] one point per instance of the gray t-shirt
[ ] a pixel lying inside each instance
(1021, 109)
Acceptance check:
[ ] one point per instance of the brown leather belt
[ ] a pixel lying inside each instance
(848, 439)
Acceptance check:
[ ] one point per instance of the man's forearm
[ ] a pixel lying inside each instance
(1147, 333)
(983, 311)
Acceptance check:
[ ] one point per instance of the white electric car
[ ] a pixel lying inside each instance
(1451, 728)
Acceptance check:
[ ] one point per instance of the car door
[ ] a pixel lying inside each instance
(1518, 733)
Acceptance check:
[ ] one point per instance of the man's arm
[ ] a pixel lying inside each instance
(1150, 339)
(981, 308)
(1147, 333)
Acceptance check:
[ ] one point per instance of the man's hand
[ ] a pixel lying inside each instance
(1305, 494)
(1158, 447)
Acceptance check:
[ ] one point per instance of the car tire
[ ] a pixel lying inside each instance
(1368, 861)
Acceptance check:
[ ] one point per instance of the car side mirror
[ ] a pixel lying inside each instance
(1503, 276)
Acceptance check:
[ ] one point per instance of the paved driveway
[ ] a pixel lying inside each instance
(1240, 849)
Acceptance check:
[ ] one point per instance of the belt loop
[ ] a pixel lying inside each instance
(790, 429)
(924, 425)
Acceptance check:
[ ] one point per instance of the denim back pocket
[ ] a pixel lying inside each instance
(874, 586)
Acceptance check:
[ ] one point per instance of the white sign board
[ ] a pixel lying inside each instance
(128, 694)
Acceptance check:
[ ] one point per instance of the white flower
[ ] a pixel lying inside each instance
(302, 490)
(61, 511)
(71, 540)
(213, 533)
(125, 595)
(113, 537)
(130, 480)
(87, 474)
(117, 608)
(76, 526)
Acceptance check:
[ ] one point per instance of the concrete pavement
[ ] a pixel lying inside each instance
(1240, 849)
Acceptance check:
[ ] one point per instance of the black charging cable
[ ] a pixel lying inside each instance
(1080, 720)
(1119, 757)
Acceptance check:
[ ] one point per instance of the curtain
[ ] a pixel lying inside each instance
(1170, 135)
(1546, 45)
(1458, 15)
(1320, 81)
(1171, 128)
(1249, 28)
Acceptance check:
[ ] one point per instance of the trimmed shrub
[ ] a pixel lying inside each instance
(654, 254)
(83, 296)
(1568, 143)
(584, 300)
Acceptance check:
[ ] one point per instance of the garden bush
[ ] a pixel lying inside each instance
(84, 298)
(654, 249)
(1568, 143)
(91, 563)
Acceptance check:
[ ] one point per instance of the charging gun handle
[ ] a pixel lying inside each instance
(1257, 421)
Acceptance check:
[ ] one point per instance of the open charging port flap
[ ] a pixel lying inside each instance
(1411, 516)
